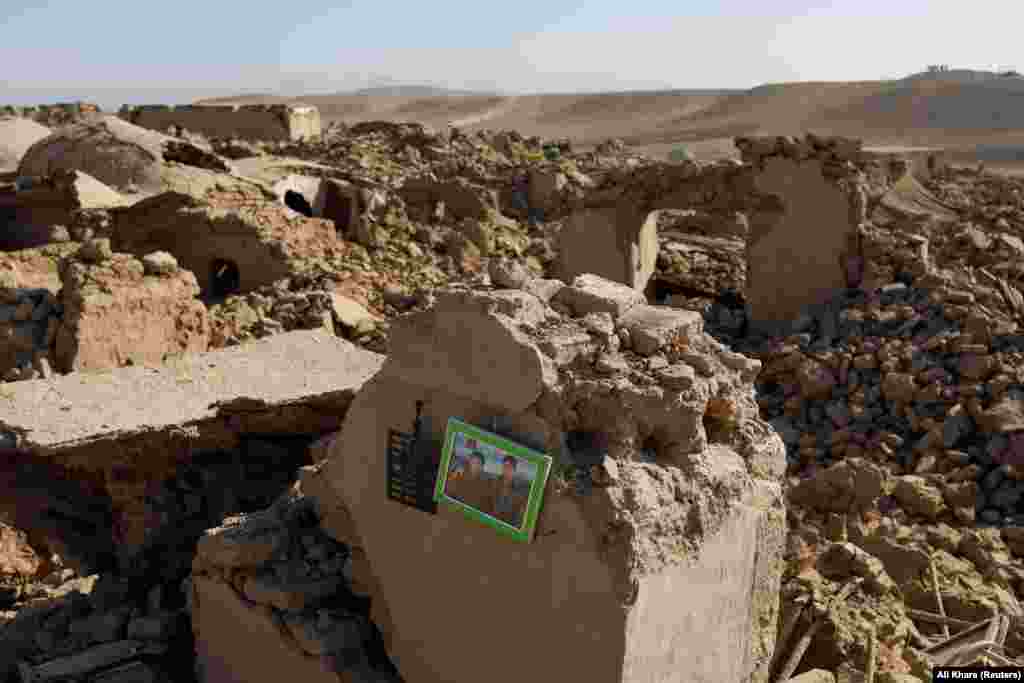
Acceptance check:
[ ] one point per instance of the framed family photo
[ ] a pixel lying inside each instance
(492, 480)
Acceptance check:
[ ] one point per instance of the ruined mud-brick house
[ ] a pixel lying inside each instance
(248, 122)
(69, 307)
(233, 238)
(669, 558)
(785, 191)
(53, 208)
(316, 191)
(459, 198)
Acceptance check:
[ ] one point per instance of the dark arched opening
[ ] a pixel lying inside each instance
(297, 202)
(338, 208)
(225, 278)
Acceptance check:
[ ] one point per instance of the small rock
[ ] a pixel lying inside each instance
(919, 497)
(95, 250)
(679, 376)
(159, 263)
(507, 273)
(814, 676)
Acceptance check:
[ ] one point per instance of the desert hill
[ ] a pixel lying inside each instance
(956, 108)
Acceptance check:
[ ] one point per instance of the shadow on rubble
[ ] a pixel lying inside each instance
(225, 281)
(16, 234)
(838, 327)
(214, 485)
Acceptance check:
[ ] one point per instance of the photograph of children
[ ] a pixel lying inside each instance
(490, 480)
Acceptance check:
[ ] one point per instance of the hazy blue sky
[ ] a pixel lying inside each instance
(118, 51)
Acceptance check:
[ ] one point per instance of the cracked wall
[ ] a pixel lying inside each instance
(248, 122)
(634, 558)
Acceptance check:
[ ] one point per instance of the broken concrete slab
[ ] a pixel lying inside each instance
(88, 451)
(186, 390)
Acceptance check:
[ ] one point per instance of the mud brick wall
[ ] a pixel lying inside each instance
(250, 122)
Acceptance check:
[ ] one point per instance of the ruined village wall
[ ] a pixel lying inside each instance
(498, 356)
(250, 122)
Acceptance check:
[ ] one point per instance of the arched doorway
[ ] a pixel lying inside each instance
(225, 278)
(337, 207)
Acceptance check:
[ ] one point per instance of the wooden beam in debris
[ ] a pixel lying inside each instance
(90, 660)
(971, 641)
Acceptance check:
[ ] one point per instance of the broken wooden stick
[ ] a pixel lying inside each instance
(917, 639)
(979, 635)
(932, 618)
(1004, 630)
(805, 641)
(872, 663)
(938, 597)
(801, 648)
(88, 661)
(788, 626)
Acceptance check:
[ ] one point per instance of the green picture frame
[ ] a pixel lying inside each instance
(492, 480)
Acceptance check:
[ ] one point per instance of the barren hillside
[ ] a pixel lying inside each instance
(959, 109)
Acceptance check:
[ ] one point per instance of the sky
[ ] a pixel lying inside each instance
(115, 52)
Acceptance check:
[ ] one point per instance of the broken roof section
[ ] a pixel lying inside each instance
(124, 156)
(77, 409)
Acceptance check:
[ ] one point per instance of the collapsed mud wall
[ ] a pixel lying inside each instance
(249, 122)
(126, 431)
(798, 203)
(117, 309)
(254, 239)
(811, 250)
(686, 494)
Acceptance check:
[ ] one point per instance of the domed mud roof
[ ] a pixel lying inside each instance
(124, 156)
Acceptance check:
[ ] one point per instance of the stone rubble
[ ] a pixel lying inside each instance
(899, 400)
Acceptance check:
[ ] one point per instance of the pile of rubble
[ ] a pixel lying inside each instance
(278, 575)
(898, 398)
(900, 404)
(682, 467)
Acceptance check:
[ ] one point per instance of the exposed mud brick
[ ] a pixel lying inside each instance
(115, 313)
(590, 293)
(597, 559)
(619, 245)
